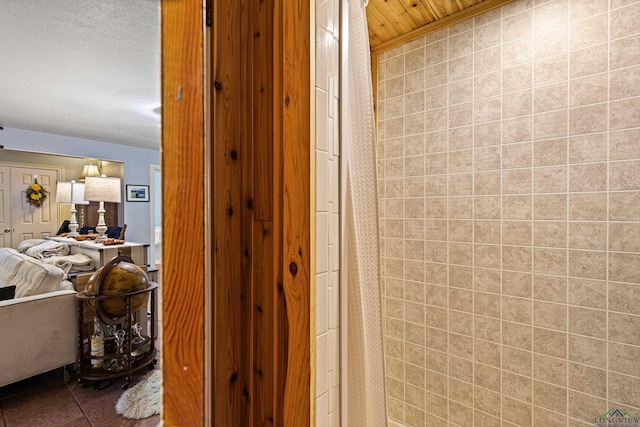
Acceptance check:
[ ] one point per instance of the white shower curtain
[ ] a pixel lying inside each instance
(365, 384)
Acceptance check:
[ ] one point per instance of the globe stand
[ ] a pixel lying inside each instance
(115, 292)
(98, 290)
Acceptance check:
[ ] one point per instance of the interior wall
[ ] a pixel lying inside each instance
(510, 217)
(327, 160)
(137, 161)
(71, 168)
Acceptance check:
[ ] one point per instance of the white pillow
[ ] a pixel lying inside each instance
(35, 278)
(10, 261)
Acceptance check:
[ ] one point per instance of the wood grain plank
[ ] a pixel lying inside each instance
(295, 104)
(264, 304)
(280, 327)
(389, 26)
(420, 11)
(263, 45)
(385, 28)
(261, 143)
(434, 9)
(447, 7)
(183, 209)
(464, 14)
(463, 4)
(374, 39)
(227, 104)
(247, 160)
(396, 13)
(264, 240)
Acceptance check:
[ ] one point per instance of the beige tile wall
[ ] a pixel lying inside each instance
(509, 172)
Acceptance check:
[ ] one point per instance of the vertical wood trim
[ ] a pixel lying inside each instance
(183, 209)
(227, 102)
(261, 142)
(263, 411)
(312, 212)
(263, 112)
(209, 291)
(280, 325)
(296, 252)
(264, 244)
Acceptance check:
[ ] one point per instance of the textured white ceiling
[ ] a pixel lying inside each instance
(82, 68)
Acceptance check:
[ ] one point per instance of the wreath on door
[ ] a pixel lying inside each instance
(36, 194)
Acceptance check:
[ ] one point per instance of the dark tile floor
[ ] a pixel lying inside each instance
(45, 400)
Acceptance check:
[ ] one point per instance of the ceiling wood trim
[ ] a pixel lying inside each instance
(437, 7)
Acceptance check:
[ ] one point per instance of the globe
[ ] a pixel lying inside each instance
(119, 279)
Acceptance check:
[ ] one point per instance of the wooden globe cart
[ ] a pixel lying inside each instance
(130, 357)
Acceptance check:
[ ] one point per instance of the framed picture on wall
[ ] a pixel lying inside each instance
(137, 193)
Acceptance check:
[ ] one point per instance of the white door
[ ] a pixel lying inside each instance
(30, 222)
(5, 206)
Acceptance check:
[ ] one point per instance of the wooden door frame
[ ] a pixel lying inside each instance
(280, 266)
(184, 225)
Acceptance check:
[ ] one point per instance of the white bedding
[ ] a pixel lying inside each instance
(48, 248)
(72, 263)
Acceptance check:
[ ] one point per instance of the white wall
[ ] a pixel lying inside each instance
(136, 167)
(327, 213)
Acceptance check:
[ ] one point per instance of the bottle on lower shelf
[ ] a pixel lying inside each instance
(97, 345)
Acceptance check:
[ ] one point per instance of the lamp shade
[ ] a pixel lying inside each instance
(102, 189)
(63, 192)
(89, 170)
(77, 193)
(71, 192)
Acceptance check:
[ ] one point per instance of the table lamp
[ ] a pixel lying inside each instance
(89, 170)
(71, 192)
(102, 189)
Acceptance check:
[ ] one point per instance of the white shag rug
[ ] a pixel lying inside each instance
(143, 399)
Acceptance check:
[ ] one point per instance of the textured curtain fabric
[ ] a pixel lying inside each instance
(365, 382)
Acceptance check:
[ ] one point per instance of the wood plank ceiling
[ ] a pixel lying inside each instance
(392, 22)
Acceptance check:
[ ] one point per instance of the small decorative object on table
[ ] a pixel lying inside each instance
(111, 242)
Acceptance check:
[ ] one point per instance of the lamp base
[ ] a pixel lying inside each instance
(73, 224)
(101, 228)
